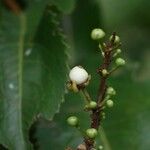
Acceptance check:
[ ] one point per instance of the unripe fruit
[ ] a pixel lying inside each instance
(72, 121)
(91, 133)
(110, 103)
(110, 91)
(117, 39)
(118, 51)
(78, 75)
(104, 72)
(92, 105)
(97, 34)
(120, 62)
(100, 147)
(103, 115)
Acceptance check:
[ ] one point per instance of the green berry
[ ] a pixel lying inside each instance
(100, 147)
(111, 91)
(120, 62)
(72, 121)
(104, 72)
(118, 51)
(117, 39)
(110, 103)
(92, 105)
(103, 115)
(91, 133)
(97, 34)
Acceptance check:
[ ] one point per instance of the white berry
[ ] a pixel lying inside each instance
(78, 75)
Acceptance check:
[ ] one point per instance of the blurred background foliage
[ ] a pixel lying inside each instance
(127, 124)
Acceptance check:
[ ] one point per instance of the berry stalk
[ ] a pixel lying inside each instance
(96, 113)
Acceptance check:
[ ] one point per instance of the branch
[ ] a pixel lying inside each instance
(95, 116)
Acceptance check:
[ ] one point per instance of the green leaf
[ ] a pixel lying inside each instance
(68, 136)
(52, 44)
(32, 72)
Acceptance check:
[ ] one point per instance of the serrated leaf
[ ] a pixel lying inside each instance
(32, 72)
(52, 48)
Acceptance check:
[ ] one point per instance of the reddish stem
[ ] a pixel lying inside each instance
(95, 116)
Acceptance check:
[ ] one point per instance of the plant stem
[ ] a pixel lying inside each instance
(113, 70)
(95, 116)
(86, 95)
